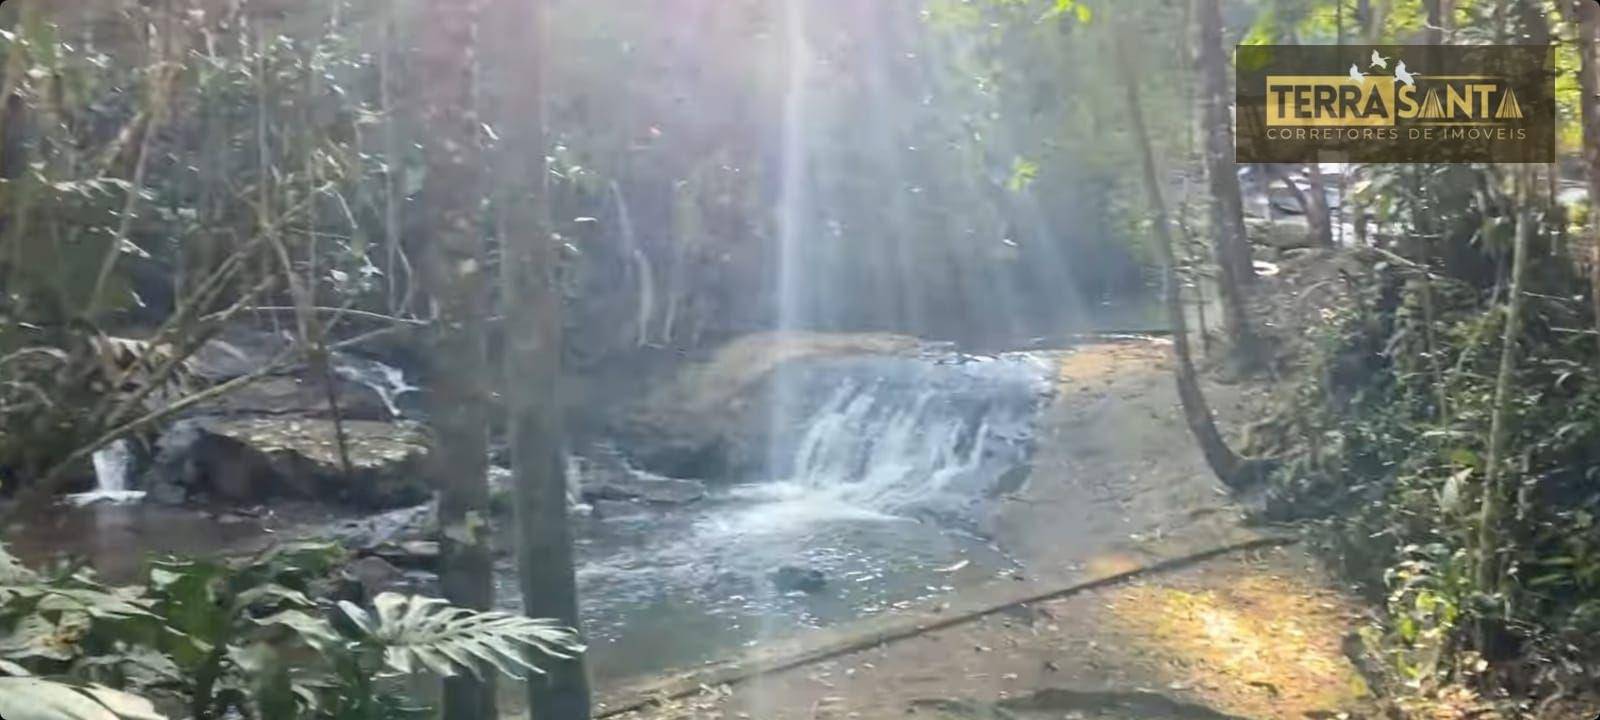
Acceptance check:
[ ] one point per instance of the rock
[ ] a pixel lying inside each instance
(710, 422)
(790, 578)
(1285, 234)
(646, 488)
(410, 554)
(603, 474)
(237, 351)
(302, 396)
(365, 533)
(366, 389)
(372, 576)
(253, 460)
(615, 509)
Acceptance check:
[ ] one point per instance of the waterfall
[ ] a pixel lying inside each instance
(891, 453)
(882, 471)
(113, 471)
(641, 261)
(388, 382)
(912, 436)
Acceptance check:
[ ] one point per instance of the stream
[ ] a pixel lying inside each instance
(882, 471)
(882, 481)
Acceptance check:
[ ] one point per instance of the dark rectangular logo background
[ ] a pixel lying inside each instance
(1466, 103)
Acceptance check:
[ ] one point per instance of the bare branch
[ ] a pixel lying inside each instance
(55, 477)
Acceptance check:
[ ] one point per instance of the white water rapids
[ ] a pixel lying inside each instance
(885, 475)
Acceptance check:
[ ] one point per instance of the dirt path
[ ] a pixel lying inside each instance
(1117, 481)
(1117, 485)
(1252, 636)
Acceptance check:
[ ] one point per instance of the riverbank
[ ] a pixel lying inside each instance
(1248, 635)
(1116, 486)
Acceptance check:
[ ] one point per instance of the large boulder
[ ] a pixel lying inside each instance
(301, 396)
(365, 389)
(1291, 233)
(711, 421)
(259, 459)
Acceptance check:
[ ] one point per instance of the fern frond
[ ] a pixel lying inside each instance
(432, 634)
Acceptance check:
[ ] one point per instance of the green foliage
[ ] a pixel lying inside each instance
(1384, 437)
(245, 638)
(1023, 173)
(26, 698)
(148, 153)
(428, 633)
(1077, 8)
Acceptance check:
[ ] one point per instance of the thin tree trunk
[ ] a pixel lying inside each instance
(1433, 34)
(394, 170)
(1233, 470)
(533, 327)
(454, 269)
(1229, 243)
(1588, 44)
(317, 340)
(1494, 499)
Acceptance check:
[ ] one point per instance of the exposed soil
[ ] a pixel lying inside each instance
(1115, 433)
(1254, 636)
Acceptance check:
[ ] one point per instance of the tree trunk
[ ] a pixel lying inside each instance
(1234, 471)
(454, 265)
(1433, 34)
(1318, 212)
(533, 301)
(1588, 26)
(1494, 499)
(1229, 244)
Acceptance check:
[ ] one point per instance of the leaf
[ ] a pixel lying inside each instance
(1464, 456)
(36, 699)
(35, 637)
(271, 595)
(314, 631)
(430, 633)
(1023, 173)
(357, 616)
(1079, 11)
(125, 705)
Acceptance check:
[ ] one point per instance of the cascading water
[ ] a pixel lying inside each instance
(914, 437)
(113, 473)
(387, 381)
(886, 474)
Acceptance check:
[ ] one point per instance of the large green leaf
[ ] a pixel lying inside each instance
(427, 633)
(35, 699)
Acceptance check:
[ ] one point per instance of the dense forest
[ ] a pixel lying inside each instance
(645, 334)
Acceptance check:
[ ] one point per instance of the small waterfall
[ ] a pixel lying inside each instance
(113, 472)
(913, 436)
(388, 382)
(862, 447)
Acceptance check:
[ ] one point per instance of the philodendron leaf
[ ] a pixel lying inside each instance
(313, 630)
(427, 633)
(24, 698)
(127, 706)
